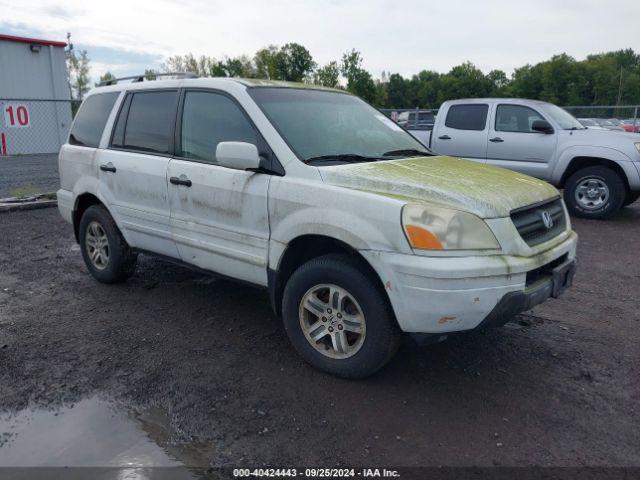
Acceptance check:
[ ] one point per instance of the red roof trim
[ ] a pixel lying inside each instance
(36, 41)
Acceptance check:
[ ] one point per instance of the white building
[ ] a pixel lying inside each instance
(34, 95)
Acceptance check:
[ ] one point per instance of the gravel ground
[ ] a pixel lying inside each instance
(559, 387)
(29, 174)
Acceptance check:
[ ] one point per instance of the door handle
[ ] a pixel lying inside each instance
(444, 137)
(180, 181)
(108, 168)
(496, 140)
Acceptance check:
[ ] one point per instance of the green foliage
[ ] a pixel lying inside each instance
(603, 79)
(108, 76)
(79, 72)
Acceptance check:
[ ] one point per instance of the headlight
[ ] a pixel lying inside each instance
(435, 228)
(637, 144)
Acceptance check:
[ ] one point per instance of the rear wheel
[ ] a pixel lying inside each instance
(594, 192)
(338, 319)
(105, 252)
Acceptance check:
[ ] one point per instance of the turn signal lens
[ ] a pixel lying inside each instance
(422, 238)
(435, 228)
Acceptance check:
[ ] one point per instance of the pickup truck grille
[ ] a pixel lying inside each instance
(530, 221)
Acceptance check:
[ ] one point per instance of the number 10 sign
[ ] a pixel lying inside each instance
(16, 115)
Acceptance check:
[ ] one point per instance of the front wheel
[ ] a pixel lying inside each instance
(630, 198)
(594, 192)
(338, 319)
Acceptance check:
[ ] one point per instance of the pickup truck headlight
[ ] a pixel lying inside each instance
(436, 228)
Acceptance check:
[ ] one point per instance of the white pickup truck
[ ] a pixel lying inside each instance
(598, 170)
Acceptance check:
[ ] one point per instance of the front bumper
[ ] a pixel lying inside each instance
(450, 294)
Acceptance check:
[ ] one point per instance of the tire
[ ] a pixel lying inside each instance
(117, 263)
(630, 198)
(594, 192)
(360, 298)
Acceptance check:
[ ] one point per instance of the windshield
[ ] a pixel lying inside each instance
(319, 124)
(564, 119)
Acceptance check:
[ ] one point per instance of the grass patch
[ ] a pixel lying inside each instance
(23, 191)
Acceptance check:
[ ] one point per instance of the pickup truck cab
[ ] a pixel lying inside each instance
(599, 170)
(357, 231)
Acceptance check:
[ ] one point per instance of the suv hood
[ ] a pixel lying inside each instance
(484, 190)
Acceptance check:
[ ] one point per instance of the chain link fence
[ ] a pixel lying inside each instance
(34, 126)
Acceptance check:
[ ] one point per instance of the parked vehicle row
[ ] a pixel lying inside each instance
(357, 231)
(598, 169)
(602, 124)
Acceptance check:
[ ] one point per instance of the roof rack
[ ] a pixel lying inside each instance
(143, 77)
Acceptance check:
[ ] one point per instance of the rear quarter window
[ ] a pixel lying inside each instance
(92, 117)
(467, 117)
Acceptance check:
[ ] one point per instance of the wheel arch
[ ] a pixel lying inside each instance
(579, 162)
(304, 248)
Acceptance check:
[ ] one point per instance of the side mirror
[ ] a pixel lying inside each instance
(238, 155)
(542, 126)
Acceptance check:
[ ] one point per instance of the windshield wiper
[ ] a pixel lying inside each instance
(342, 157)
(409, 152)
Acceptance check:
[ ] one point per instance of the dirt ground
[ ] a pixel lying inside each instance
(28, 174)
(560, 387)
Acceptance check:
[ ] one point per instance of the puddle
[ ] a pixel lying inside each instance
(94, 433)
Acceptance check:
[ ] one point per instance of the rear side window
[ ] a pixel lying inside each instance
(91, 119)
(208, 119)
(467, 117)
(146, 122)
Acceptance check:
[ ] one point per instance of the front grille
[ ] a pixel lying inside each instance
(529, 221)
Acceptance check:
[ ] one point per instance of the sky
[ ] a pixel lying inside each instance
(126, 37)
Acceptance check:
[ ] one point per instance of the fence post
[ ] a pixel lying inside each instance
(635, 118)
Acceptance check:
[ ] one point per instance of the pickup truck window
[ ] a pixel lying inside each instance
(516, 118)
(91, 119)
(467, 117)
(208, 119)
(317, 123)
(564, 119)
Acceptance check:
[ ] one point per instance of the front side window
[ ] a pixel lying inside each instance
(516, 118)
(564, 119)
(147, 124)
(467, 117)
(208, 119)
(319, 124)
(92, 117)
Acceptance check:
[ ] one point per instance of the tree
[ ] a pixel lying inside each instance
(105, 78)
(359, 81)
(294, 63)
(79, 72)
(266, 63)
(328, 76)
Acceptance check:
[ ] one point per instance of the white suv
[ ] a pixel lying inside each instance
(357, 231)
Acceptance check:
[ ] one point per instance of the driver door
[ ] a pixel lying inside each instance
(219, 215)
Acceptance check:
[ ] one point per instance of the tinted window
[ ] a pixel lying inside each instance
(516, 118)
(149, 123)
(208, 119)
(91, 119)
(467, 117)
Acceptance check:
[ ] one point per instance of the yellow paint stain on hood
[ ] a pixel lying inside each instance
(484, 190)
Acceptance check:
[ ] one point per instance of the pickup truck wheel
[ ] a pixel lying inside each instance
(338, 319)
(630, 198)
(594, 192)
(104, 249)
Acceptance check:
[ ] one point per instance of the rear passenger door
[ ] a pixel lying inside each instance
(219, 216)
(133, 171)
(514, 145)
(464, 132)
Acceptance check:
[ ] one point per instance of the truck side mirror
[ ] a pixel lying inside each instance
(542, 126)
